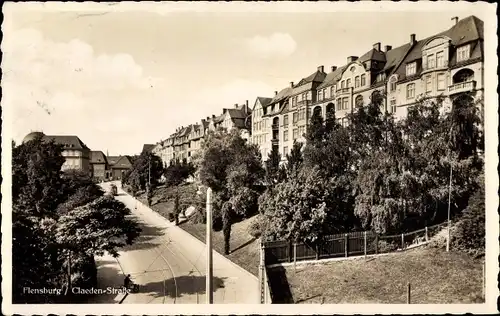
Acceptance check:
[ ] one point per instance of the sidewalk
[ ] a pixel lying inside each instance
(109, 274)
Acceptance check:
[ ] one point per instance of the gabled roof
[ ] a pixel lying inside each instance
(395, 56)
(97, 157)
(333, 77)
(123, 162)
(236, 113)
(283, 94)
(264, 101)
(148, 147)
(317, 76)
(68, 141)
(112, 159)
(465, 31)
(373, 54)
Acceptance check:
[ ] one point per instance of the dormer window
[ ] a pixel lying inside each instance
(363, 80)
(392, 84)
(353, 69)
(463, 53)
(440, 59)
(356, 82)
(411, 69)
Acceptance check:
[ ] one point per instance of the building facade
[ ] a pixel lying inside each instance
(76, 154)
(98, 165)
(449, 64)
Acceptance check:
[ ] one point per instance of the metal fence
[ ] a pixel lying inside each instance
(346, 245)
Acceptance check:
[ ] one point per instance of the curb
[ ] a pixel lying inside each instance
(169, 224)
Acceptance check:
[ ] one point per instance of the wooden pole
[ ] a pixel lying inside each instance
(426, 234)
(408, 298)
(376, 244)
(295, 256)
(209, 248)
(365, 243)
(346, 239)
(402, 241)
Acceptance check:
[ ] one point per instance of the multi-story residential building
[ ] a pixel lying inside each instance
(75, 152)
(260, 126)
(448, 64)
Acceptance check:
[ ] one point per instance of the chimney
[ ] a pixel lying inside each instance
(334, 68)
(376, 46)
(213, 116)
(455, 20)
(236, 105)
(321, 68)
(351, 59)
(412, 39)
(275, 93)
(291, 84)
(387, 48)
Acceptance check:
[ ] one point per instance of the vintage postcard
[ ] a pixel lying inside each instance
(249, 158)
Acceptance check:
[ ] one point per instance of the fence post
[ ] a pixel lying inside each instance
(262, 286)
(317, 250)
(409, 294)
(426, 234)
(295, 256)
(376, 244)
(346, 239)
(402, 241)
(290, 251)
(365, 244)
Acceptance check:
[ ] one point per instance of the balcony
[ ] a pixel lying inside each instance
(462, 87)
(275, 141)
(275, 126)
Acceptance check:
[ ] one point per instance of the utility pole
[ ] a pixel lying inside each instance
(209, 289)
(148, 186)
(448, 240)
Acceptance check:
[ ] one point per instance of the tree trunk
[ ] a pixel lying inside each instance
(68, 288)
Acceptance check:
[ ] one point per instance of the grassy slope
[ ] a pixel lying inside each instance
(244, 248)
(436, 277)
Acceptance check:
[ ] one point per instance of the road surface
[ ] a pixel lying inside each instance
(169, 264)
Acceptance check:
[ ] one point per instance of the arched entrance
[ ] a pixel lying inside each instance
(317, 111)
(359, 102)
(330, 108)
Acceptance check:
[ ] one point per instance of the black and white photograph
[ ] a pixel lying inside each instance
(253, 157)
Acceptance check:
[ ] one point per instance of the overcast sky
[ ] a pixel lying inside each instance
(123, 75)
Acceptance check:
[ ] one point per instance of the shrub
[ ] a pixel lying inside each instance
(171, 217)
(255, 229)
(384, 246)
(197, 217)
(469, 235)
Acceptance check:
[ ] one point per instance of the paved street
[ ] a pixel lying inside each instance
(169, 265)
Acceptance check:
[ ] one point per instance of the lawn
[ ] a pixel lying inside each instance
(436, 277)
(244, 248)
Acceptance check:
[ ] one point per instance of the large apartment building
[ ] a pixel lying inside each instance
(187, 140)
(448, 64)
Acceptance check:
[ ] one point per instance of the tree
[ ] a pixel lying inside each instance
(272, 166)
(231, 168)
(177, 172)
(147, 167)
(294, 160)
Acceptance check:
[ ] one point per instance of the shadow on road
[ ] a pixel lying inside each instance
(185, 285)
(108, 275)
(244, 245)
(146, 238)
(280, 289)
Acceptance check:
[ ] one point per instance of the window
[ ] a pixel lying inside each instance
(359, 101)
(463, 53)
(285, 120)
(295, 133)
(342, 84)
(431, 61)
(285, 151)
(348, 83)
(428, 84)
(302, 114)
(320, 95)
(295, 117)
(410, 91)
(352, 69)
(363, 80)
(392, 85)
(393, 106)
(339, 104)
(308, 95)
(356, 82)
(326, 93)
(301, 130)
(332, 91)
(440, 59)
(411, 69)
(285, 135)
(441, 81)
(345, 104)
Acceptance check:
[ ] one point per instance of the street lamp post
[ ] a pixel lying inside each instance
(448, 240)
(209, 289)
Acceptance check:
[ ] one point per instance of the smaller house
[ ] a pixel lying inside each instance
(98, 165)
(118, 166)
(148, 147)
